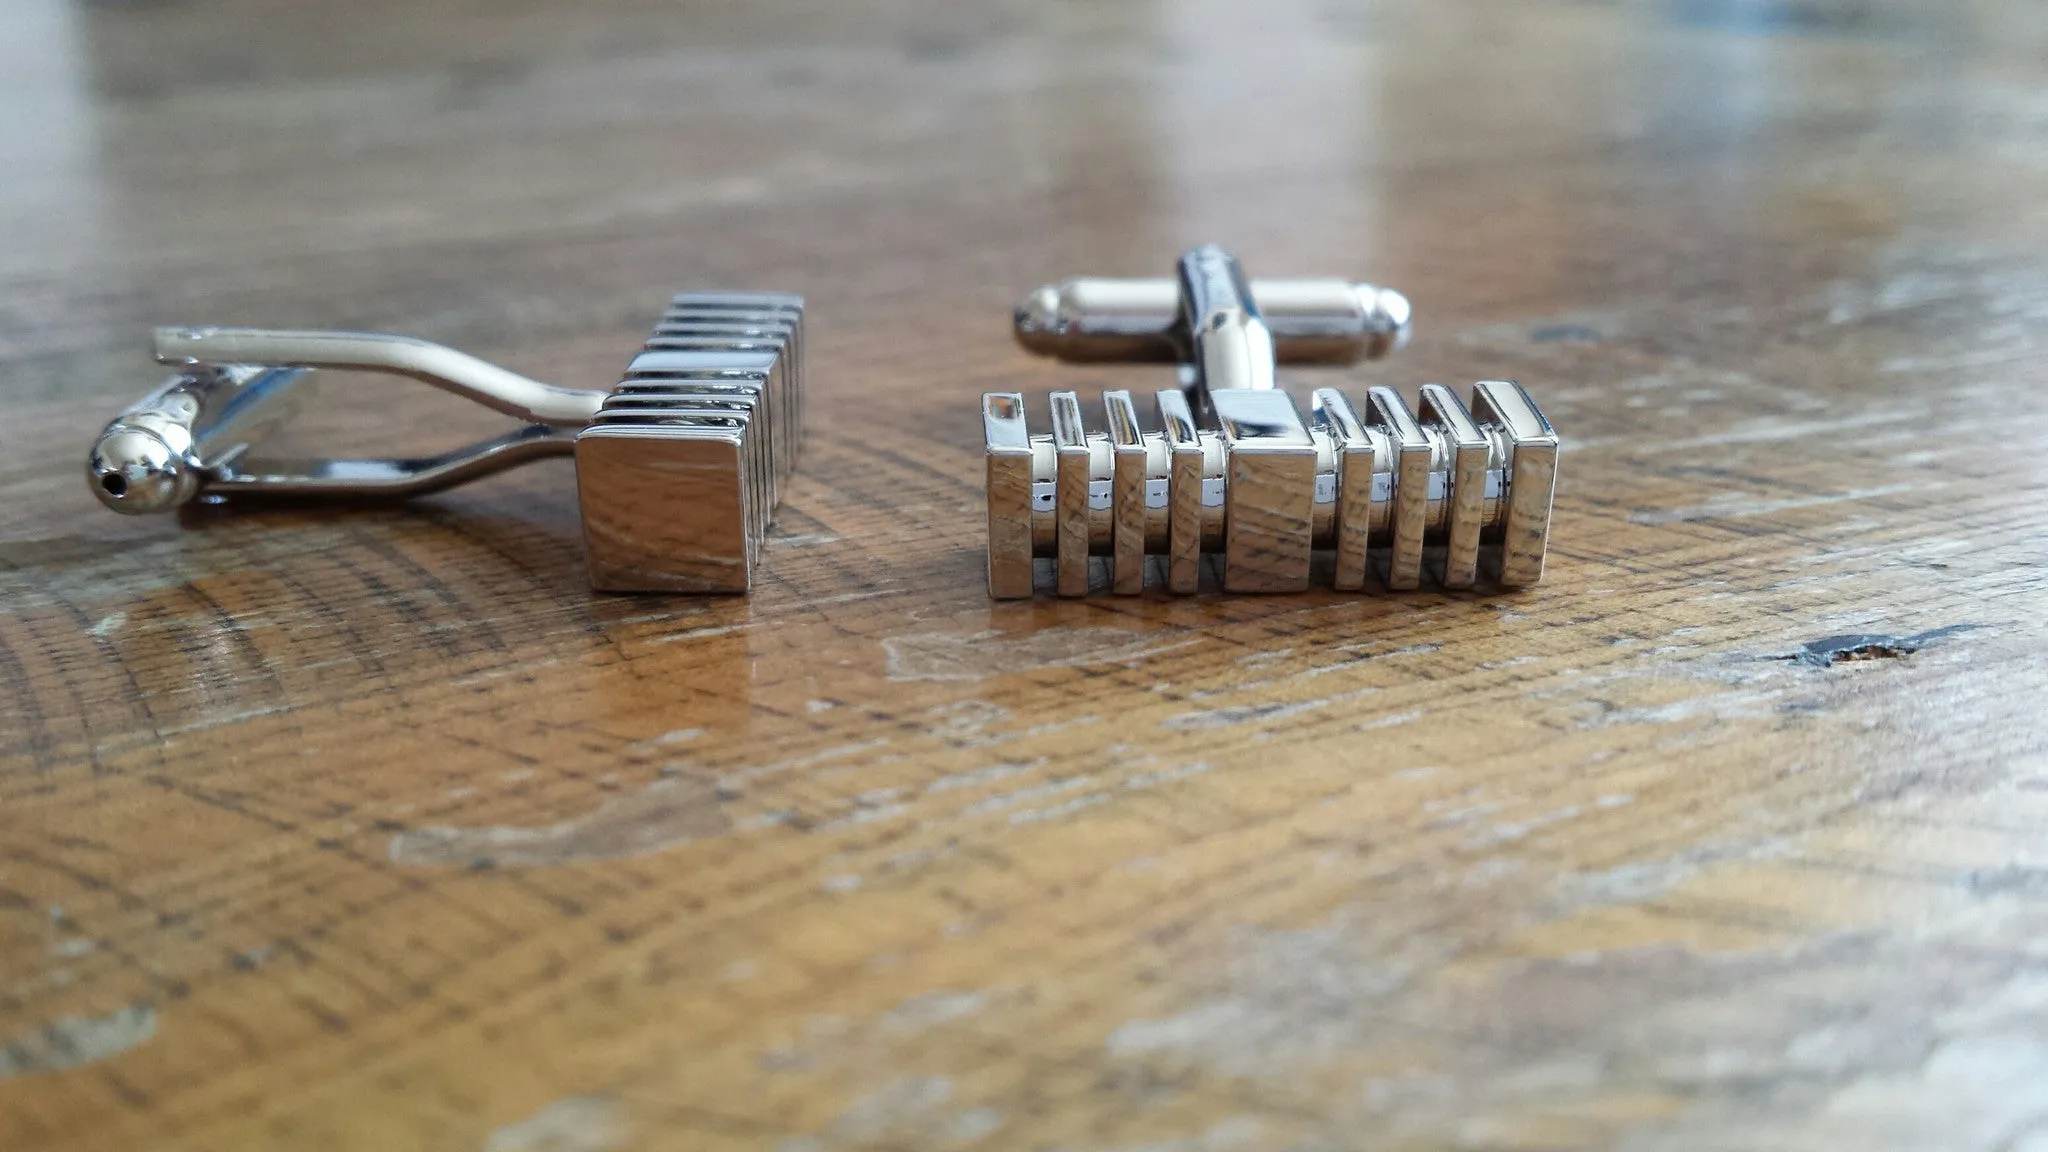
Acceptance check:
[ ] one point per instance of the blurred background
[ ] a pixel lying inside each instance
(527, 181)
(507, 171)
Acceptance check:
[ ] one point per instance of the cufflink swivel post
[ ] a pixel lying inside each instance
(679, 466)
(1234, 470)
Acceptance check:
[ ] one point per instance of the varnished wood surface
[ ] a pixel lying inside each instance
(374, 829)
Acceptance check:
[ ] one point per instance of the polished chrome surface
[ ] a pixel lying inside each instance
(1186, 461)
(457, 372)
(1361, 472)
(1529, 476)
(1127, 494)
(1072, 480)
(1356, 452)
(162, 449)
(679, 467)
(1008, 441)
(1269, 491)
(1236, 472)
(1469, 451)
(386, 479)
(680, 471)
(1414, 457)
(666, 507)
(1312, 321)
(1228, 344)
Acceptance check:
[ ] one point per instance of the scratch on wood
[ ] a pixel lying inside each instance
(1039, 815)
(77, 1041)
(980, 655)
(980, 776)
(1002, 800)
(1644, 880)
(1295, 996)
(661, 816)
(1734, 505)
(224, 718)
(919, 1013)
(1771, 431)
(700, 633)
(909, 1110)
(841, 752)
(864, 814)
(577, 1124)
(1237, 1134)
(1165, 775)
(1248, 713)
(1713, 706)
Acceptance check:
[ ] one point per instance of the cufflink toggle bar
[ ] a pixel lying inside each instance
(679, 467)
(1234, 469)
(1100, 318)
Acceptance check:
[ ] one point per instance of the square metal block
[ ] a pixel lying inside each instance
(681, 469)
(1127, 494)
(666, 507)
(1070, 447)
(1468, 451)
(1531, 478)
(1412, 459)
(1009, 495)
(1355, 459)
(1184, 492)
(1269, 509)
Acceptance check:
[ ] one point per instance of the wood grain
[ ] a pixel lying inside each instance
(358, 828)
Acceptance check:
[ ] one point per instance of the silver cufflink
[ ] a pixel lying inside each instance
(678, 468)
(1234, 470)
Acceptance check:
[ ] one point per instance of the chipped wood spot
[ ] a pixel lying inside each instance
(1855, 647)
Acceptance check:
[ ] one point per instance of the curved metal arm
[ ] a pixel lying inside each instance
(388, 479)
(457, 372)
(194, 433)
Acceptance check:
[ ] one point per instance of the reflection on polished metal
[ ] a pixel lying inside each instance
(679, 467)
(1311, 321)
(1236, 471)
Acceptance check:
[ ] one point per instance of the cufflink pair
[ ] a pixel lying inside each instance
(678, 467)
(1234, 471)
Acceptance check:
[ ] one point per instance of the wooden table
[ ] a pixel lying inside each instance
(359, 828)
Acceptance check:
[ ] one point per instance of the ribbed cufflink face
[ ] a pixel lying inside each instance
(679, 467)
(683, 465)
(1233, 470)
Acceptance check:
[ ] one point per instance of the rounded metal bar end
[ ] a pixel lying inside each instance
(135, 470)
(1037, 322)
(1387, 317)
